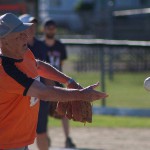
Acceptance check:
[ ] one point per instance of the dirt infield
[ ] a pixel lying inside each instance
(103, 138)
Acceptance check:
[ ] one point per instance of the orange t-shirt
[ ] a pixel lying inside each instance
(18, 113)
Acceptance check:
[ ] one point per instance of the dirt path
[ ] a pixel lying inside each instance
(103, 138)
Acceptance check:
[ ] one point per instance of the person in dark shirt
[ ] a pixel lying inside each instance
(56, 55)
(37, 44)
(38, 48)
(34, 44)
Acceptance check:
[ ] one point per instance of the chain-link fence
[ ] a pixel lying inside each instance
(121, 56)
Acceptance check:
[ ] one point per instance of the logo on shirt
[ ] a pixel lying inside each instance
(54, 59)
(34, 100)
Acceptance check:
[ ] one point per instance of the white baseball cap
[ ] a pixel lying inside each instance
(10, 23)
(26, 18)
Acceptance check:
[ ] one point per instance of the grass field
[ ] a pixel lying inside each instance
(126, 90)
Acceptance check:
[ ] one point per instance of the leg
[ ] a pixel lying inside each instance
(43, 142)
(65, 124)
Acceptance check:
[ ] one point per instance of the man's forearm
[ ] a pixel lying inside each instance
(47, 71)
(50, 93)
(63, 95)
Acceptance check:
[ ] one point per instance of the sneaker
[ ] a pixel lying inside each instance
(69, 143)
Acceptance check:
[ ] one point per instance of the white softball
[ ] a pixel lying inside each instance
(147, 84)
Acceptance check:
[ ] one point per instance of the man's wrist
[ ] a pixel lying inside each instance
(69, 81)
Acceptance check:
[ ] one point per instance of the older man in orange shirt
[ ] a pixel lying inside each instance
(20, 88)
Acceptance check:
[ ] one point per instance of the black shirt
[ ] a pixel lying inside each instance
(56, 54)
(38, 49)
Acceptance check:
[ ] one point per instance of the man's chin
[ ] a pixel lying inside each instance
(25, 47)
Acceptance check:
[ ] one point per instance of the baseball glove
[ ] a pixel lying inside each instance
(52, 110)
(53, 105)
(77, 110)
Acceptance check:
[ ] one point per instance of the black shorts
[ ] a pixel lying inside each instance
(43, 115)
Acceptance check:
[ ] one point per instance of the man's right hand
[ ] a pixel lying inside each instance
(92, 94)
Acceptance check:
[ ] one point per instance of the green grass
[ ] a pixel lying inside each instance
(108, 121)
(126, 90)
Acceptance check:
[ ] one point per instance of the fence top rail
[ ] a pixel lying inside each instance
(105, 42)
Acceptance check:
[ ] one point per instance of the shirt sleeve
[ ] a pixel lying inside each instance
(14, 80)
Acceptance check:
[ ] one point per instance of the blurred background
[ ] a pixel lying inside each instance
(107, 41)
(113, 19)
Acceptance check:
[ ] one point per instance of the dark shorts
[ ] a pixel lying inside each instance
(43, 115)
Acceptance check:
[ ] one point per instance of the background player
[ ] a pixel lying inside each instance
(56, 54)
(38, 49)
(42, 51)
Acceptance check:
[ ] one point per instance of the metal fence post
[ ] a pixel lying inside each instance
(102, 62)
(111, 69)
